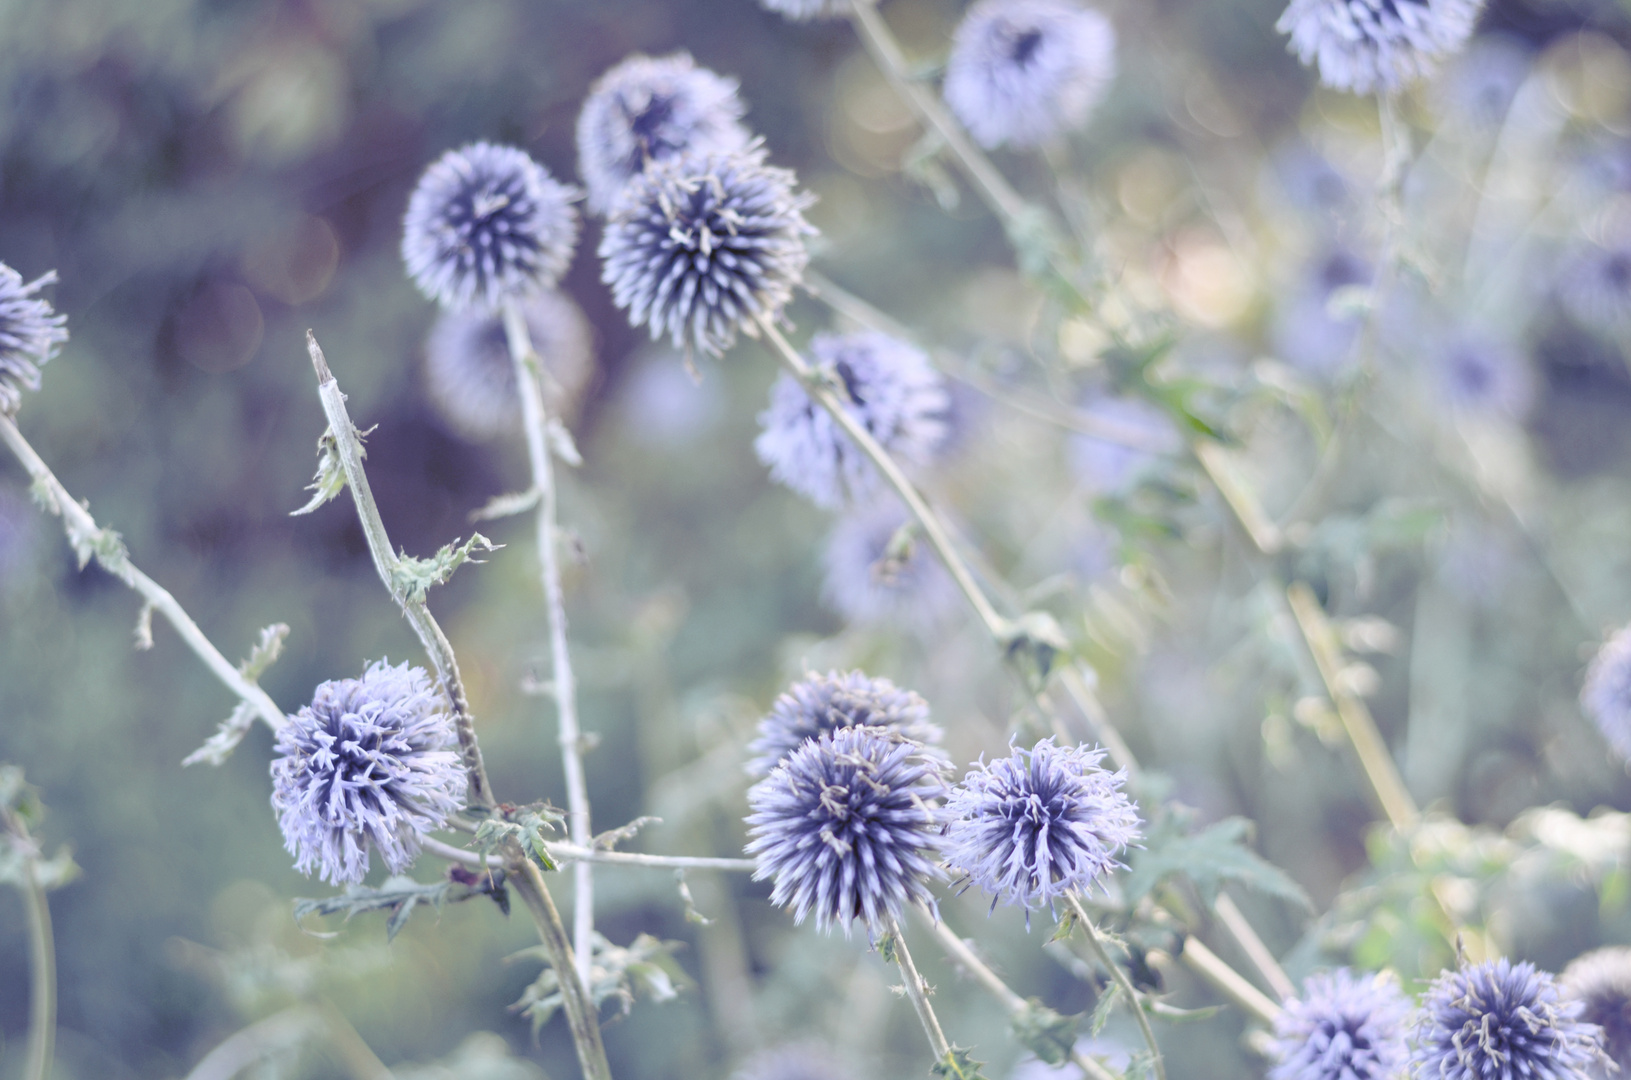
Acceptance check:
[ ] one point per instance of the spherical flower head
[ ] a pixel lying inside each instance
(872, 577)
(1376, 46)
(1039, 824)
(820, 704)
(470, 376)
(370, 761)
(1606, 694)
(1601, 981)
(1343, 1027)
(701, 245)
(1595, 286)
(1023, 71)
(848, 827)
(1501, 1021)
(805, 10)
(486, 223)
(30, 333)
(888, 386)
(1480, 374)
(650, 109)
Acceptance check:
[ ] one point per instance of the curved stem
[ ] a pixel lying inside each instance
(1210, 967)
(1234, 920)
(918, 992)
(256, 1042)
(1124, 983)
(535, 423)
(581, 1014)
(42, 995)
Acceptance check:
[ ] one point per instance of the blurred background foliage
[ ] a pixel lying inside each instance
(212, 178)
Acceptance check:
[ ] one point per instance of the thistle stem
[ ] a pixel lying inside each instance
(572, 853)
(256, 1042)
(1125, 984)
(918, 992)
(581, 1015)
(535, 422)
(1226, 979)
(90, 539)
(1234, 920)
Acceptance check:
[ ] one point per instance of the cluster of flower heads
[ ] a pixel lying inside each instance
(701, 245)
(887, 385)
(1024, 71)
(876, 572)
(820, 704)
(1606, 694)
(1343, 1027)
(370, 762)
(30, 333)
(1502, 1021)
(1377, 46)
(471, 379)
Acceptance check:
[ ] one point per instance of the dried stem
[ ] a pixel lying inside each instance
(1207, 964)
(535, 422)
(918, 992)
(90, 539)
(1097, 944)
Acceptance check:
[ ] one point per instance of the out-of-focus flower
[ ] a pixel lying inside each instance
(1308, 181)
(30, 333)
(370, 762)
(819, 704)
(1601, 981)
(1023, 71)
(1039, 824)
(848, 826)
(1480, 85)
(471, 379)
(485, 223)
(662, 405)
(1307, 333)
(1343, 1027)
(1502, 1021)
(1595, 287)
(1606, 695)
(699, 246)
(1479, 374)
(888, 386)
(1376, 46)
(797, 1061)
(1137, 436)
(802, 10)
(868, 580)
(651, 109)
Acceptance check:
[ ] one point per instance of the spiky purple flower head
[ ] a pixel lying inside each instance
(1501, 1021)
(30, 333)
(650, 109)
(702, 244)
(487, 222)
(1606, 694)
(370, 762)
(804, 10)
(1595, 286)
(1343, 1027)
(1023, 71)
(471, 379)
(1376, 46)
(819, 704)
(886, 384)
(1038, 824)
(1601, 981)
(875, 573)
(848, 826)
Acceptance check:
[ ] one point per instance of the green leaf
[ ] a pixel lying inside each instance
(1102, 1009)
(502, 506)
(958, 1064)
(644, 969)
(413, 578)
(330, 478)
(1047, 1034)
(218, 747)
(887, 948)
(526, 827)
(1210, 858)
(399, 896)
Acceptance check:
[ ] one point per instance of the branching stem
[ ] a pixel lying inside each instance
(1096, 943)
(581, 1014)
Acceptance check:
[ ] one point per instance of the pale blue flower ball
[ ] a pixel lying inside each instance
(1342, 1027)
(1501, 1021)
(1377, 46)
(30, 334)
(820, 704)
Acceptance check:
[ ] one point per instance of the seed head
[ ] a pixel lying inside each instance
(1606, 695)
(369, 762)
(819, 704)
(1343, 1027)
(886, 385)
(874, 577)
(1039, 823)
(1376, 46)
(650, 109)
(487, 222)
(848, 827)
(30, 333)
(1024, 71)
(1601, 981)
(1502, 1021)
(699, 245)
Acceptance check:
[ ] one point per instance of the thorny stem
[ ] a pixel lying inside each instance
(1207, 964)
(535, 422)
(581, 1014)
(42, 957)
(437, 647)
(572, 853)
(90, 538)
(918, 992)
(1122, 981)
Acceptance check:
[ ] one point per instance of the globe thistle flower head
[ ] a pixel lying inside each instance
(470, 376)
(1136, 437)
(1376, 46)
(818, 705)
(1024, 71)
(1606, 694)
(30, 333)
(1595, 287)
(650, 109)
(873, 577)
(1601, 981)
(485, 223)
(1478, 374)
(805, 10)
(887, 385)
(848, 827)
(1039, 824)
(1343, 1027)
(700, 245)
(370, 762)
(1502, 1021)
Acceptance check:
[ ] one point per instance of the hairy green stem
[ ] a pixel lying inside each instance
(581, 1014)
(917, 991)
(1096, 943)
(535, 423)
